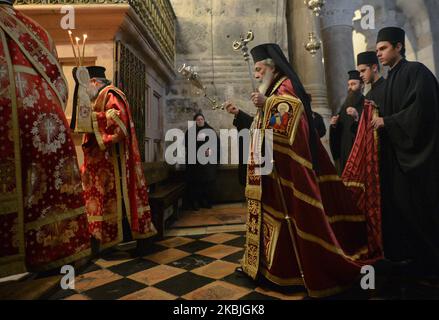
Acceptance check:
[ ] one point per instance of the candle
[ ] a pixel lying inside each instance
(77, 47)
(83, 48)
(73, 48)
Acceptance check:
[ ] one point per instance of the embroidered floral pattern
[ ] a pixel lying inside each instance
(57, 233)
(36, 184)
(66, 176)
(49, 133)
(30, 100)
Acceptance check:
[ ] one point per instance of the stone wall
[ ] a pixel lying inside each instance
(416, 18)
(206, 30)
(206, 27)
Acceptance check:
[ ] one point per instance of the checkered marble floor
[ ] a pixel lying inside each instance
(191, 267)
(200, 267)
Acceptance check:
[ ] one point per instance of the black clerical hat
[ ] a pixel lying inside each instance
(368, 57)
(96, 72)
(354, 75)
(391, 34)
(283, 67)
(260, 52)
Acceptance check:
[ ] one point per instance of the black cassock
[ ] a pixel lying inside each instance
(242, 121)
(200, 178)
(342, 136)
(319, 124)
(410, 167)
(377, 93)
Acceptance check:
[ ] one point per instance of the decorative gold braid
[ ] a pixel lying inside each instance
(277, 85)
(18, 266)
(37, 65)
(97, 132)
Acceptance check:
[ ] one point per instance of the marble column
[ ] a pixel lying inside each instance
(338, 51)
(310, 68)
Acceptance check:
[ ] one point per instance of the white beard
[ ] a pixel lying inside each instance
(266, 82)
(92, 92)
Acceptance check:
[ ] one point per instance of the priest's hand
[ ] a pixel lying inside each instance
(378, 123)
(334, 120)
(118, 135)
(231, 107)
(109, 115)
(258, 99)
(353, 113)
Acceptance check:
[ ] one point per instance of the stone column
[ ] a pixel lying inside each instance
(385, 15)
(338, 51)
(301, 21)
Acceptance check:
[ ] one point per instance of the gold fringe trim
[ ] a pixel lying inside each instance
(322, 243)
(24, 69)
(102, 218)
(318, 204)
(118, 195)
(281, 281)
(119, 123)
(300, 195)
(124, 180)
(330, 247)
(17, 155)
(97, 132)
(58, 217)
(287, 151)
(277, 214)
(277, 85)
(329, 178)
(145, 209)
(253, 192)
(352, 184)
(346, 218)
